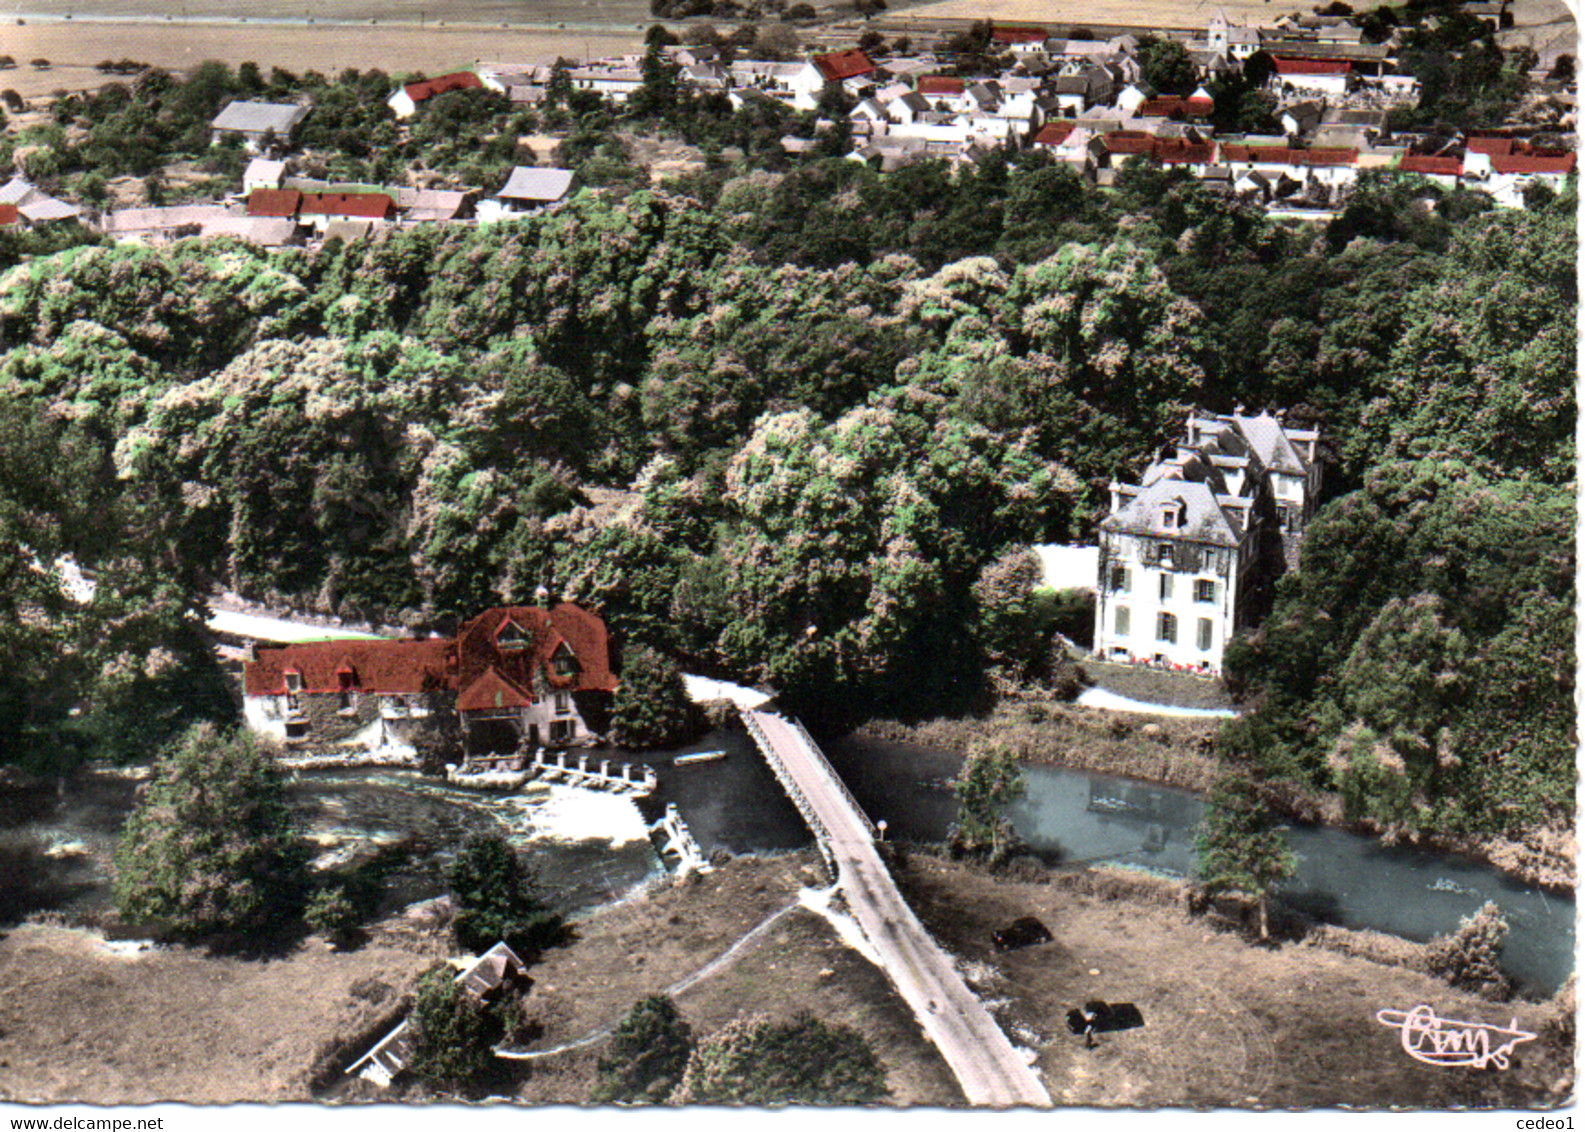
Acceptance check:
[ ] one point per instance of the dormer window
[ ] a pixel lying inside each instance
(294, 681)
(511, 635)
(563, 662)
(1172, 515)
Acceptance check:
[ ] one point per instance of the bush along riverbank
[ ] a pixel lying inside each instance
(1182, 753)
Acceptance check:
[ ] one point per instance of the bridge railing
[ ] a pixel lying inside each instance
(789, 783)
(831, 773)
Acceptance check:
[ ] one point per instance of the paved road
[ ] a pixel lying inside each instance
(990, 1071)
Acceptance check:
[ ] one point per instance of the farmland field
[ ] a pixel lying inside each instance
(73, 48)
(1165, 13)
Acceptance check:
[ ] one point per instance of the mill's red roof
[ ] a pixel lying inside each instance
(1312, 67)
(491, 691)
(517, 660)
(274, 202)
(940, 84)
(583, 632)
(368, 206)
(428, 88)
(841, 65)
(8, 214)
(1431, 166)
(392, 667)
(1054, 133)
(1338, 156)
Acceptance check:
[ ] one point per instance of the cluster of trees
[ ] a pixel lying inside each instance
(839, 399)
(827, 453)
(654, 1057)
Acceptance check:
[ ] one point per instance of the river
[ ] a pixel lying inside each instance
(590, 851)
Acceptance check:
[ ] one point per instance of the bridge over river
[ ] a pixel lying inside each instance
(990, 1071)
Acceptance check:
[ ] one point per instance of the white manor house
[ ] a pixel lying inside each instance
(1188, 555)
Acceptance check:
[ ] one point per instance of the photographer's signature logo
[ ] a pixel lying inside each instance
(1445, 1041)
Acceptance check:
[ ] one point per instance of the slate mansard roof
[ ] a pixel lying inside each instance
(1209, 481)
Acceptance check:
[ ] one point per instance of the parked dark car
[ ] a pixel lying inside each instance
(1023, 932)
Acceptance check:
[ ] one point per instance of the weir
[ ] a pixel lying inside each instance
(989, 1070)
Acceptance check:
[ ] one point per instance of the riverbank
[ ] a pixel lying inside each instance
(1181, 753)
(1226, 1023)
(1178, 752)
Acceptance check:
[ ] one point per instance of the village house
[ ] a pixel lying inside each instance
(257, 122)
(527, 189)
(513, 675)
(405, 100)
(1188, 555)
(28, 206)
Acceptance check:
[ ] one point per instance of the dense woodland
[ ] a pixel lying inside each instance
(831, 402)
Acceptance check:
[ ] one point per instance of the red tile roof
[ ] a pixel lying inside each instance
(428, 88)
(1181, 151)
(1282, 155)
(940, 84)
(274, 202)
(1328, 156)
(372, 666)
(1495, 147)
(1172, 106)
(1054, 133)
(582, 631)
(371, 206)
(1128, 141)
(8, 214)
(1438, 166)
(491, 691)
(411, 666)
(1312, 67)
(1525, 163)
(1019, 34)
(840, 65)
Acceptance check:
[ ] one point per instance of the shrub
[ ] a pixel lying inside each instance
(332, 914)
(454, 1035)
(805, 1061)
(1470, 958)
(647, 1055)
(210, 846)
(496, 900)
(651, 707)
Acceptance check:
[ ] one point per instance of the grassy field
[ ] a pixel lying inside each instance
(1227, 1023)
